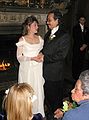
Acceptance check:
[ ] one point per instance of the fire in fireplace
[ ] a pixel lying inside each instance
(4, 65)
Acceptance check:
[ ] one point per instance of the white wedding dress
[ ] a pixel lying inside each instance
(31, 71)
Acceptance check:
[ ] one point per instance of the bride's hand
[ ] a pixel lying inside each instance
(38, 58)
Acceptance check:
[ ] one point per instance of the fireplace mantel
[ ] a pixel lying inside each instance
(11, 19)
(18, 17)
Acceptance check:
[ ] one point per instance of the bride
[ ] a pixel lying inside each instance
(30, 71)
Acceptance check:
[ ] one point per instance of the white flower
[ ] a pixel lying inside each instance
(68, 105)
(52, 36)
(65, 106)
(34, 97)
(7, 91)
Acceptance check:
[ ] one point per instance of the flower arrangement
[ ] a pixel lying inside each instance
(68, 105)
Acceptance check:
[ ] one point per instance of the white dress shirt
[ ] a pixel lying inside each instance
(82, 27)
(54, 30)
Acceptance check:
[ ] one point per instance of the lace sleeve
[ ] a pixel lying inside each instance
(19, 54)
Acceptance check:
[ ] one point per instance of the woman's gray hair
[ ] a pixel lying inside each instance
(84, 78)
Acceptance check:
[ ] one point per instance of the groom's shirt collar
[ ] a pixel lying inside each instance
(54, 30)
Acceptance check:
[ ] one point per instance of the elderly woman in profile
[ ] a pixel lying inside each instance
(18, 103)
(80, 94)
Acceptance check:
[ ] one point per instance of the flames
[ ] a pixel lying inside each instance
(4, 65)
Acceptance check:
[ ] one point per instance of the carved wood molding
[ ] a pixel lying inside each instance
(18, 18)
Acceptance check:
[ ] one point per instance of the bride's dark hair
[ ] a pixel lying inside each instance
(29, 20)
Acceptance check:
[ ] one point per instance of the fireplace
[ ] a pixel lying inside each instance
(11, 19)
(8, 62)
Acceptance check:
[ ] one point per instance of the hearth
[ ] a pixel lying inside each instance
(8, 61)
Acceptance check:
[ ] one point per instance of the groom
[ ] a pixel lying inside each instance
(55, 50)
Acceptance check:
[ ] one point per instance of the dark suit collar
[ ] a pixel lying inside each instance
(54, 30)
(79, 27)
(58, 33)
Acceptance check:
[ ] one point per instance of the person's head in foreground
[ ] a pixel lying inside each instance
(18, 102)
(80, 94)
(81, 89)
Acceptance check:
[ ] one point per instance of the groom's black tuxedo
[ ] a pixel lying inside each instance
(55, 51)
